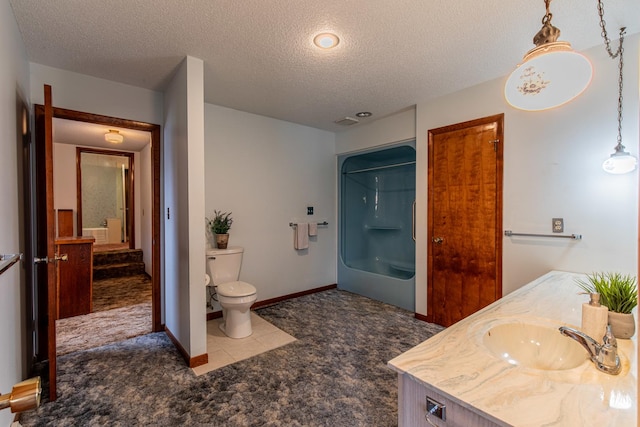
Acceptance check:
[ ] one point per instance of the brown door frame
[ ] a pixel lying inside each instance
(130, 214)
(156, 147)
(44, 224)
(499, 145)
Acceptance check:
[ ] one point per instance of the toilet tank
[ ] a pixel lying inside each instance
(223, 265)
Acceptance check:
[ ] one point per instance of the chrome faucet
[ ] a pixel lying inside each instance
(604, 356)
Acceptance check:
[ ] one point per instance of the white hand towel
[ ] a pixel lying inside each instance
(301, 236)
(313, 229)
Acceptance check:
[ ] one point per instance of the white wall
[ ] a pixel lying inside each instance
(552, 168)
(184, 197)
(266, 172)
(144, 173)
(195, 176)
(97, 96)
(14, 89)
(64, 180)
(395, 128)
(174, 134)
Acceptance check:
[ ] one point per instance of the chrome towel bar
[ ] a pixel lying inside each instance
(293, 224)
(510, 233)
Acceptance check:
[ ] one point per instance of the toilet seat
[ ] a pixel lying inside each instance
(235, 289)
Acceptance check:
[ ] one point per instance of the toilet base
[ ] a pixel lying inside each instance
(236, 324)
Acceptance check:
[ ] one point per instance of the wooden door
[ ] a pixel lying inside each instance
(44, 254)
(464, 218)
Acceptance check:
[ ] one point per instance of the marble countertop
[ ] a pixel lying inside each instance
(456, 363)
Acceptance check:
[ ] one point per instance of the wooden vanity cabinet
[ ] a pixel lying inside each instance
(412, 408)
(75, 276)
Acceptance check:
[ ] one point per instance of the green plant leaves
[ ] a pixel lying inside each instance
(618, 292)
(221, 222)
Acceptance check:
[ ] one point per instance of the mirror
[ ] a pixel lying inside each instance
(105, 196)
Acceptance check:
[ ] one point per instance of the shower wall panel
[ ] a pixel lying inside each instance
(377, 250)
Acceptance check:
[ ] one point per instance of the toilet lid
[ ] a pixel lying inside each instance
(235, 289)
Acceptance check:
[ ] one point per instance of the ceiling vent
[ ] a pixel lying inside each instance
(347, 121)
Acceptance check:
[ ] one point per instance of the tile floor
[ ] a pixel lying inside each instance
(223, 351)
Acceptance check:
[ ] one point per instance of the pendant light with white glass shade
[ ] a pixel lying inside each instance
(620, 161)
(551, 73)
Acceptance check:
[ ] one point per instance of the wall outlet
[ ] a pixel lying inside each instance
(309, 210)
(557, 225)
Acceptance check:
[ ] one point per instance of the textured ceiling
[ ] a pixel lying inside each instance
(259, 56)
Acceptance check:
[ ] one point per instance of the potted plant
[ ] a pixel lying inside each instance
(219, 226)
(619, 293)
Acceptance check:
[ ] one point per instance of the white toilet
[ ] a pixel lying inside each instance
(235, 298)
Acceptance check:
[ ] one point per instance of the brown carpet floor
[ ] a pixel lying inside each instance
(334, 375)
(121, 292)
(121, 310)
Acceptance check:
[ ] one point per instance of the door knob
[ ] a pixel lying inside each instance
(63, 257)
(437, 240)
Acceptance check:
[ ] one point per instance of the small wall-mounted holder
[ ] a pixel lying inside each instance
(24, 396)
(8, 260)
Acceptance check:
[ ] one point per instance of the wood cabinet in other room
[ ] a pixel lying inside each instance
(75, 276)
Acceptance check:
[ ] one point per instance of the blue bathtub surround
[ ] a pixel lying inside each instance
(376, 204)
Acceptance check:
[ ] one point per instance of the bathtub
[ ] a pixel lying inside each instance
(100, 234)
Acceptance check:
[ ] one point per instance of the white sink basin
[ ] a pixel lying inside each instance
(534, 346)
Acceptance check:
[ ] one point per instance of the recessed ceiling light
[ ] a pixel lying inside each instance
(363, 114)
(326, 40)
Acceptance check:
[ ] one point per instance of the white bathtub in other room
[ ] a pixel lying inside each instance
(100, 234)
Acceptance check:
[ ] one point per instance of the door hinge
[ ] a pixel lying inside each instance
(495, 143)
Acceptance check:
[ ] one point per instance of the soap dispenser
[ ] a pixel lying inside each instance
(594, 318)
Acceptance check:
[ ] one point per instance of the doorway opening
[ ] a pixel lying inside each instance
(46, 334)
(154, 184)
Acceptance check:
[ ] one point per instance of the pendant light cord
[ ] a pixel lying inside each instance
(617, 54)
(547, 17)
(605, 35)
